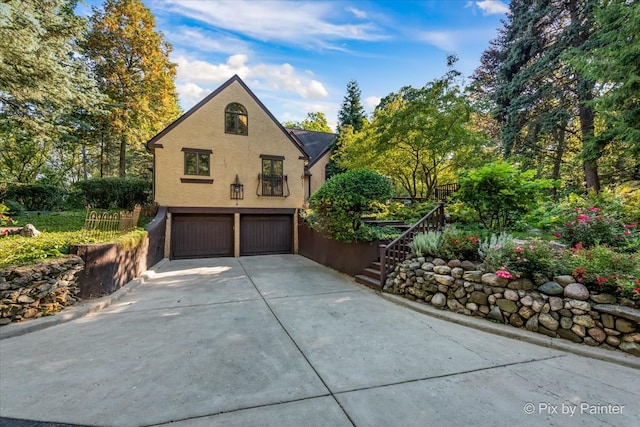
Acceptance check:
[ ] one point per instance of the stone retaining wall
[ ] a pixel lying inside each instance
(37, 290)
(557, 308)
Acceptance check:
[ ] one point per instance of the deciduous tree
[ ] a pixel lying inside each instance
(131, 60)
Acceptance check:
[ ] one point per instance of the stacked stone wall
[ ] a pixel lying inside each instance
(557, 308)
(37, 290)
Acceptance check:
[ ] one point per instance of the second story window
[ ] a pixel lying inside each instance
(236, 120)
(197, 162)
(273, 182)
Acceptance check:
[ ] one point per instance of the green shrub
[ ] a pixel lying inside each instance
(339, 204)
(500, 194)
(602, 269)
(106, 193)
(451, 243)
(533, 258)
(459, 244)
(590, 227)
(36, 197)
(426, 243)
(5, 220)
(409, 213)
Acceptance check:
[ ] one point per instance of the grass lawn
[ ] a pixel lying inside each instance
(58, 230)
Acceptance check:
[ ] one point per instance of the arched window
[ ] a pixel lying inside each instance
(236, 120)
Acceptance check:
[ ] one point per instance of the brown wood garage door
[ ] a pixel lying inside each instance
(266, 234)
(201, 236)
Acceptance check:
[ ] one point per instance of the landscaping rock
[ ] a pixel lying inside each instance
(620, 311)
(566, 322)
(630, 347)
(576, 291)
(604, 298)
(625, 326)
(579, 330)
(473, 276)
(548, 322)
(29, 231)
(547, 332)
(495, 314)
(584, 320)
(492, 280)
(532, 324)
(467, 265)
(526, 312)
(555, 303)
(564, 280)
(442, 269)
(522, 284)
(597, 334)
(580, 305)
(443, 279)
(507, 306)
(516, 320)
(569, 335)
(439, 300)
(511, 295)
(479, 298)
(551, 288)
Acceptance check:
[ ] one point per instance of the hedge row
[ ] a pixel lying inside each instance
(102, 193)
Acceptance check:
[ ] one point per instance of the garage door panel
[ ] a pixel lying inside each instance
(266, 234)
(201, 236)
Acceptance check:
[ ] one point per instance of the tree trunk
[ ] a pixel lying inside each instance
(557, 161)
(123, 155)
(591, 150)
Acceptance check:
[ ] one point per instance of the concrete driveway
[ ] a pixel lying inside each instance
(283, 341)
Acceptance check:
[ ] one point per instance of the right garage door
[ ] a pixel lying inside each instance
(266, 234)
(201, 236)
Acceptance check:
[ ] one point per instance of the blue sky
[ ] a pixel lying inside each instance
(298, 56)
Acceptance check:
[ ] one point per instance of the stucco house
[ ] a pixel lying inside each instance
(232, 178)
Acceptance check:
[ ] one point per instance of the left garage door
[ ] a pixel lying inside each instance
(201, 236)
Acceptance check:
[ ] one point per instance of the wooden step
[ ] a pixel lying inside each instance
(375, 265)
(372, 272)
(368, 281)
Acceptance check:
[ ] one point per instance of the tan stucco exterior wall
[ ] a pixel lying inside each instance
(318, 172)
(232, 155)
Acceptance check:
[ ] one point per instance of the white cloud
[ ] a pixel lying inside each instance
(205, 72)
(357, 12)
(190, 94)
(371, 102)
(193, 74)
(445, 40)
(295, 23)
(205, 41)
(455, 40)
(492, 7)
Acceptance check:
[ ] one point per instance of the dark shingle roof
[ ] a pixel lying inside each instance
(315, 144)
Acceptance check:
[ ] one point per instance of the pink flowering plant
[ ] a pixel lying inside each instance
(512, 259)
(590, 226)
(602, 269)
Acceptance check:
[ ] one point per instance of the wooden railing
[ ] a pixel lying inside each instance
(444, 191)
(396, 251)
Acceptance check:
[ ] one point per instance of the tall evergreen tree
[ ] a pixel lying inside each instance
(351, 112)
(131, 61)
(351, 119)
(613, 62)
(538, 97)
(43, 84)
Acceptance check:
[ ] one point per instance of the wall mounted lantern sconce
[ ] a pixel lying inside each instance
(237, 190)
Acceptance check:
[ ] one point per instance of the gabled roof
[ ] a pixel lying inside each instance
(315, 144)
(153, 142)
